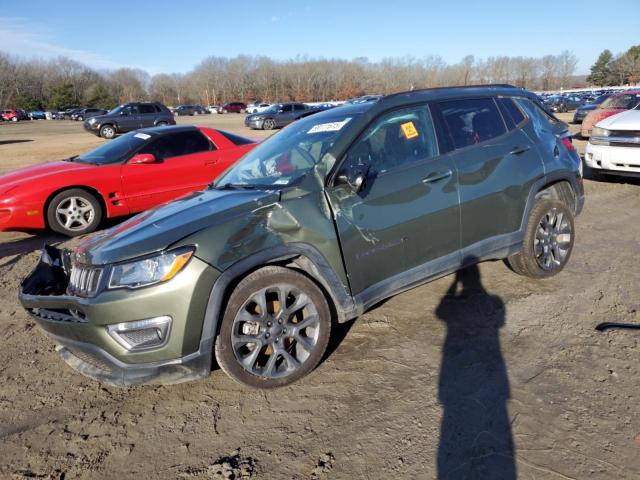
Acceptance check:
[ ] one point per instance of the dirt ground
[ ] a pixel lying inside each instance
(504, 377)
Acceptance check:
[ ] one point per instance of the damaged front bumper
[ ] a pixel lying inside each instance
(82, 327)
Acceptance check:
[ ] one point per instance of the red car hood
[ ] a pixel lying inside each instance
(37, 172)
(599, 114)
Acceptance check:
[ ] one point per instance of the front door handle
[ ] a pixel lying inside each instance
(436, 176)
(519, 150)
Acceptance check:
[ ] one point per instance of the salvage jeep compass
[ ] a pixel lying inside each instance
(317, 224)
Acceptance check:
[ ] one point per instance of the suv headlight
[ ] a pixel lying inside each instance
(150, 270)
(600, 132)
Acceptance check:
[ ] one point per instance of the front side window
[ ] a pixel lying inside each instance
(398, 138)
(177, 144)
(471, 121)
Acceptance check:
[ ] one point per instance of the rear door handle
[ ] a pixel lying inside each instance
(436, 176)
(519, 150)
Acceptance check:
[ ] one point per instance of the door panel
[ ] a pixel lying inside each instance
(494, 182)
(407, 213)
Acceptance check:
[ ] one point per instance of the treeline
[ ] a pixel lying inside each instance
(64, 83)
(621, 69)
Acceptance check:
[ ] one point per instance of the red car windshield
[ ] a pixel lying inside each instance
(624, 101)
(114, 151)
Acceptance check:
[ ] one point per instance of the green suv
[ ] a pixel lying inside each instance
(317, 224)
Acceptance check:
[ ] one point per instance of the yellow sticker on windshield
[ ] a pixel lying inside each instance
(409, 130)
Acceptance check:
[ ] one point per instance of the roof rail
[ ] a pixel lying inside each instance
(485, 85)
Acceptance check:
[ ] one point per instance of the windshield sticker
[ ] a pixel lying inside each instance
(329, 127)
(409, 130)
(142, 136)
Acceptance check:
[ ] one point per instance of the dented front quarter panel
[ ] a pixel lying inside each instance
(298, 215)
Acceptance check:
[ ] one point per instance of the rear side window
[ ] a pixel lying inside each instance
(147, 109)
(299, 107)
(236, 139)
(541, 120)
(178, 144)
(471, 121)
(511, 112)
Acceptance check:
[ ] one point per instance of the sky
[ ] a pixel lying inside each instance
(174, 36)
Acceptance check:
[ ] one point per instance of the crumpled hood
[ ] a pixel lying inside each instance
(36, 173)
(160, 227)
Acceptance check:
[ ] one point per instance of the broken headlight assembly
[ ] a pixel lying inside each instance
(150, 270)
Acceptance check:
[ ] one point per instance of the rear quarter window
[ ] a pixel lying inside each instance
(512, 113)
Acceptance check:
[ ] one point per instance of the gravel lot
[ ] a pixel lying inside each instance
(507, 375)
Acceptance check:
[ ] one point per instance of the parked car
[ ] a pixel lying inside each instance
(616, 103)
(69, 113)
(257, 107)
(189, 110)
(561, 104)
(86, 113)
(583, 110)
(11, 115)
(323, 220)
(129, 116)
(613, 145)
(37, 115)
(232, 107)
(276, 116)
(135, 172)
(213, 108)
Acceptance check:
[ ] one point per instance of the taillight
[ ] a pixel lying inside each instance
(568, 144)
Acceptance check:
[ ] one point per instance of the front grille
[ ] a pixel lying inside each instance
(59, 315)
(84, 280)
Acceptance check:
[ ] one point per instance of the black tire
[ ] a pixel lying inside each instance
(543, 255)
(268, 124)
(108, 131)
(83, 209)
(268, 362)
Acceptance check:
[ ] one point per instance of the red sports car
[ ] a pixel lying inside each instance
(132, 173)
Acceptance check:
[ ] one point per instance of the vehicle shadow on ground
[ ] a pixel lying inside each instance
(475, 435)
(24, 246)
(9, 142)
(590, 174)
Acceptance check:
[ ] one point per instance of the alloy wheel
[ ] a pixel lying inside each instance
(75, 213)
(275, 331)
(552, 242)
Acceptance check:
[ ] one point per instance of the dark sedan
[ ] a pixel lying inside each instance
(584, 110)
(277, 115)
(190, 110)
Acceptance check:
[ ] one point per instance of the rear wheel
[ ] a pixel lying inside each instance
(107, 131)
(548, 240)
(275, 328)
(74, 212)
(14, 119)
(161, 124)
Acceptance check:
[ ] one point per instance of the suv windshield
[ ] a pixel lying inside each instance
(116, 110)
(288, 155)
(114, 151)
(626, 101)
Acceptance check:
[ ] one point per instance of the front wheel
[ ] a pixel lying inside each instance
(74, 212)
(275, 328)
(161, 124)
(108, 132)
(548, 240)
(268, 124)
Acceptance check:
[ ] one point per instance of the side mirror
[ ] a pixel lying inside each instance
(352, 177)
(141, 158)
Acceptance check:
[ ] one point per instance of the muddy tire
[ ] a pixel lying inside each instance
(74, 212)
(548, 240)
(275, 328)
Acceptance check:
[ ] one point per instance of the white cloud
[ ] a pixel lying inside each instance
(22, 38)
